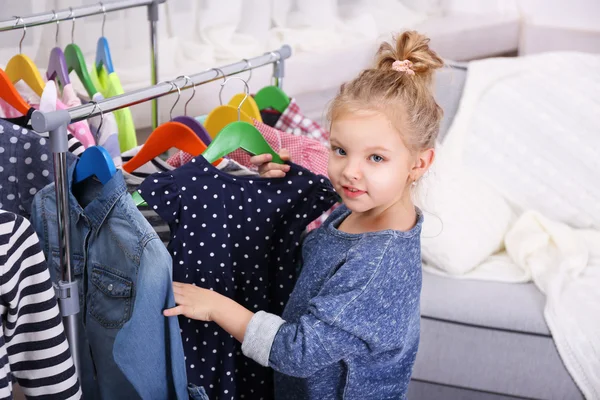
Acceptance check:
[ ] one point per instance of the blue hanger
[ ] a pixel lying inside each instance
(95, 161)
(103, 56)
(102, 51)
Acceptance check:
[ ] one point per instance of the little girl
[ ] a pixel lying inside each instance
(351, 327)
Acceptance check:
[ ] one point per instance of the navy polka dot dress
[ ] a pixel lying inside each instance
(239, 236)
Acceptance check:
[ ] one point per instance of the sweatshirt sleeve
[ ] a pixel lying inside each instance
(36, 345)
(369, 305)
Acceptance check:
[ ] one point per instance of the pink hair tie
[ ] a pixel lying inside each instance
(403, 66)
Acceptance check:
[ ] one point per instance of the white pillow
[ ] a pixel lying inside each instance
(465, 219)
(530, 128)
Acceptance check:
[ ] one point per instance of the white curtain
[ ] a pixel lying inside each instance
(194, 35)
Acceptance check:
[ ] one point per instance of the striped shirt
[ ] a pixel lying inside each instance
(33, 347)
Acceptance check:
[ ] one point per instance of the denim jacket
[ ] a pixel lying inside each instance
(128, 349)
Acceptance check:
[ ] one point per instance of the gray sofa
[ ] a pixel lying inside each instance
(483, 340)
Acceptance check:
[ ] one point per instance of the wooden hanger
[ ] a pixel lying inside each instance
(103, 57)
(222, 116)
(9, 93)
(57, 68)
(168, 135)
(95, 161)
(272, 97)
(57, 65)
(249, 106)
(22, 68)
(239, 135)
(76, 62)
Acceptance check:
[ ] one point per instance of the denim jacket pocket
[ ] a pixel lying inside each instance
(110, 297)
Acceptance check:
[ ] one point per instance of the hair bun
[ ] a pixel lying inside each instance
(411, 46)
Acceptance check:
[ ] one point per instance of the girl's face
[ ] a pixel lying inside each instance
(369, 164)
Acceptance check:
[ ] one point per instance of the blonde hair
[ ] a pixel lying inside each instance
(405, 98)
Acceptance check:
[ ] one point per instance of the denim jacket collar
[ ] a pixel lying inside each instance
(99, 208)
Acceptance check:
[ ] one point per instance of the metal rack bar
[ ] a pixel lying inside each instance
(79, 12)
(42, 122)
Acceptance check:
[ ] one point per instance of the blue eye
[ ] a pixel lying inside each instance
(376, 158)
(339, 151)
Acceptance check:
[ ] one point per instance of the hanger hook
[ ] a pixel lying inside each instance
(176, 101)
(249, 68)
(55, 18)
(221, 71)
(72, 16)
(103, 16)
(187, 79)
(24, 32)
(101, 114)
(246, 92)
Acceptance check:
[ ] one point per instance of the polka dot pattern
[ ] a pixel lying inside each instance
(238, 251)
(26, 166)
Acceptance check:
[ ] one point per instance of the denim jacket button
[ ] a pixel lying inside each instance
(110, 287)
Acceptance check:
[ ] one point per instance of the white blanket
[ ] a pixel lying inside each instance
(529, 127)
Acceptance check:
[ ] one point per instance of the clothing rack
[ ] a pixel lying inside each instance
(66, 290)
(72, 13)
(56, 122)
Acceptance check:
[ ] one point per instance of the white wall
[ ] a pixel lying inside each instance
(332, 39)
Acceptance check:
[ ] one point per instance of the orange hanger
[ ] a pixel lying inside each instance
(168, 135)
(9, 93)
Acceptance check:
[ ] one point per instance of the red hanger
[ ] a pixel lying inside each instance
(9, 93)
(168, 135)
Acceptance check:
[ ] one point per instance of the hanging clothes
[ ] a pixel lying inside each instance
(75, 146)
(110, 86)
(305, 152)
(293, 121)
(135, 179)
(81, 130)
(106, 132)
(124, 277)
(238, 236)
(33, 342)
(26, 166)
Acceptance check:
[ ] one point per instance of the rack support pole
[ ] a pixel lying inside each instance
(66, 288)
(153, 19)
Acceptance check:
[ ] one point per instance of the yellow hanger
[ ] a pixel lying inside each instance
(249, 106)
(22, 68)
(222, 116)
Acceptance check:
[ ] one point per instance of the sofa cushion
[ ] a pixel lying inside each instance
(489, 337)
(515, 307)
(449, 84)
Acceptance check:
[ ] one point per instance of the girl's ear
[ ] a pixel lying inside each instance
(422, 163)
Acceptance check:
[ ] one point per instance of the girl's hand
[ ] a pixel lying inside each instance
(193, 302)
(267, 169)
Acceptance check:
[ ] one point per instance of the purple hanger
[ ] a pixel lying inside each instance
(57, 67)
(196, 126)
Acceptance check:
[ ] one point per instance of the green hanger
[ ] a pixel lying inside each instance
(236, 135)
(272, 97)
(137, 199)
(76, 62)
(239, 135)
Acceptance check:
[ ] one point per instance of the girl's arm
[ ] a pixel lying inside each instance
(207, 305)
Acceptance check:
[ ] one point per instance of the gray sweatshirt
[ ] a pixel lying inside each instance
(351, 327)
